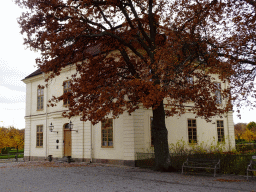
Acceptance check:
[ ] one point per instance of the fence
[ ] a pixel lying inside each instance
(230, 163)
(11, 155)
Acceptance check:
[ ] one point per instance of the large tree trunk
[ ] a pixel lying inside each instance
(160, 139)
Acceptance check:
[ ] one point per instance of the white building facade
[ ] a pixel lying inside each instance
(116, 141)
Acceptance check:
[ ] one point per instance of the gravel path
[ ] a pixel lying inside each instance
(46, 176)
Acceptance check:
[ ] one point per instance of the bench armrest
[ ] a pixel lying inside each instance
(186, 162)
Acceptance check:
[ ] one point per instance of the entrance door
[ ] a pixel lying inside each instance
(67, 142)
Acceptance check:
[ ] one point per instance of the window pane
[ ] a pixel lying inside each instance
(107, 132)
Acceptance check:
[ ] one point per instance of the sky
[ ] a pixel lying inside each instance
(16, 63)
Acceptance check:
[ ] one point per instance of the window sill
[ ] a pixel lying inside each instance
(108, 147)
(38, 147)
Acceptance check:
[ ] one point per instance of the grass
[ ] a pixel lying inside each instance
(11, 156)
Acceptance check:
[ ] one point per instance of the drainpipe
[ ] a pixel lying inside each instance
(91, 143)
(228, 123)
(83, 142)
(228, 133)
(46, 120)
(30, 120)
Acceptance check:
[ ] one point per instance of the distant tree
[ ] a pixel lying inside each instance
(251, 126)
(160, 45)
(11, 137)
(16, 138)
(248, 135)
(239, 130)
(4, 139)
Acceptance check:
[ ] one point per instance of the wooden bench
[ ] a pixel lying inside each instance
(252, 166)
(201, 163)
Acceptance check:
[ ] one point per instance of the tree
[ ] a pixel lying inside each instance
(248, 135)
(11, 137)
(136, 52)
(16, 138)
(239, 130)
(251, 126)
(4, 139)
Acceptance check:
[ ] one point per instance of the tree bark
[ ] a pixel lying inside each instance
(160, 139)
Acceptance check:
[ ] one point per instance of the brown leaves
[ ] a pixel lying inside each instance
(230, 180)
(126, 57)
(52, 164)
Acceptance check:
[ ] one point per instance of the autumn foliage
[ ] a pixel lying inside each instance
(246, 132)
(136, 53)
(11, 137)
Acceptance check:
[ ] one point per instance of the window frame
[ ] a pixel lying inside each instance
(218, 98)
(108, 131)
(40, 99)
(220, 131)
(39, 136)
(192, 131)
(190, 84)
(190, 80)
(66, 102)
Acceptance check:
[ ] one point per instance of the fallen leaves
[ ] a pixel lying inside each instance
(52, 164)
(230, 180)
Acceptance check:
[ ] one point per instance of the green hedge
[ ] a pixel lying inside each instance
(230, 163)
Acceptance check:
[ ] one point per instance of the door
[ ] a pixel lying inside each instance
(67, 142)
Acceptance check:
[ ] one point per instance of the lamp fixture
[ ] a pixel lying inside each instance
(70, 126)
(51, 127)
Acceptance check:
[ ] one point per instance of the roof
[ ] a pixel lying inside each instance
(95, 50)
(35, 73)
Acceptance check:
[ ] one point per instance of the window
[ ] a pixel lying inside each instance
(66, 88)
(107, 133)
(220, 131)
(192, 137)
(190, 80)
(218, 93)
(189, 85)
(151, 133)
(40, 99)
(39, 136)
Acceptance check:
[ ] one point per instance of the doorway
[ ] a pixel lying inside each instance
(67, 140)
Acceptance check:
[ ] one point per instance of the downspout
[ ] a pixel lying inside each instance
(228, 133)
(228, 123)
(46, 121)
(83, 142)
(91, 143)
(30, 121)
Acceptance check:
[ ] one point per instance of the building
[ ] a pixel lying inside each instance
(115, 141)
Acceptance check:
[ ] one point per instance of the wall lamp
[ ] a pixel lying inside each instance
(51, 127)
(70, 126)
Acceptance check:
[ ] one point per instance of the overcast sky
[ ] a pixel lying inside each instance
(16, 63)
